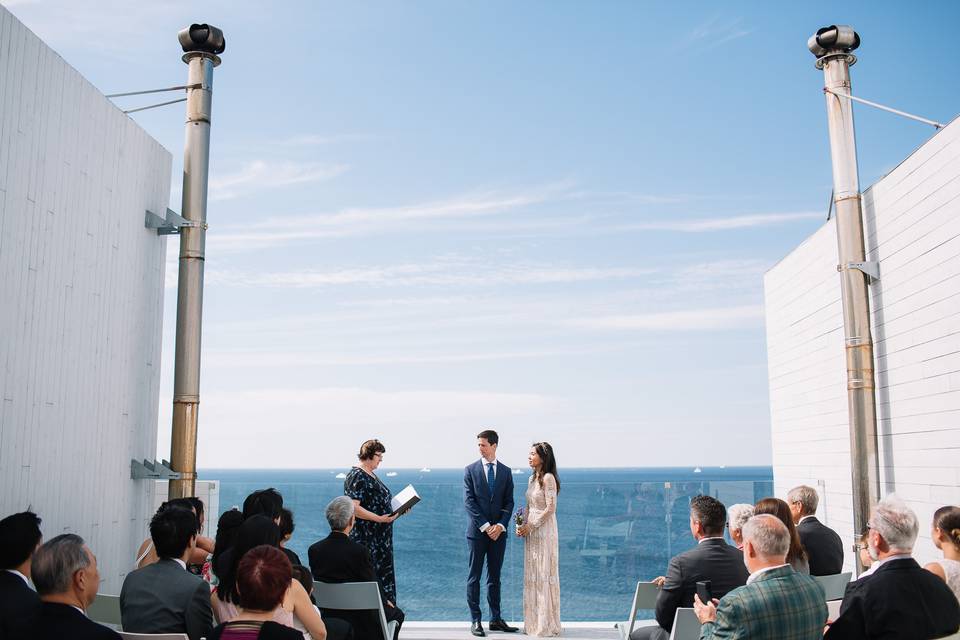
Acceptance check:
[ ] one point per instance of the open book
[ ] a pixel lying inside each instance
(402, 502)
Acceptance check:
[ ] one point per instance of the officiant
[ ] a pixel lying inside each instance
(371, 499)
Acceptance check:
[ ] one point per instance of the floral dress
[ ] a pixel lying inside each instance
(374, 496)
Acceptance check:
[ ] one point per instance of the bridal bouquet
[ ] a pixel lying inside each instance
(520, 516)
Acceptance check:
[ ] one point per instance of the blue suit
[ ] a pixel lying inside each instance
(486, 505)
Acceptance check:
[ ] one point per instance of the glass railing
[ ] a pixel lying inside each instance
(616, 526)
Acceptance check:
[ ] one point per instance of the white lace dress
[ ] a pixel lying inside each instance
(541, 572)
(951, 569)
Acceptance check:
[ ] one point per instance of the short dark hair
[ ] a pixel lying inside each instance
(302, 575)
(263, 577)
(371, 448)
(266, 502)
(489, 435)
(710, 513)
(19, 536)
(171, 531)
(286, 523)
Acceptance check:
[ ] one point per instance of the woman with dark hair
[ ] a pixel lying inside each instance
(946, 537)
(287, 527)
(228, 526)
(371, 499)
(228, 598)
(263, 577)
(797, 556)
(541, 572)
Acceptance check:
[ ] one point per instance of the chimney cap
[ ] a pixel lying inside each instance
(833, 39)
(202, 38)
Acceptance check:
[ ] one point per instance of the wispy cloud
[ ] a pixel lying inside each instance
(713, 33)
(707, 319)
(702, 225)
(260, 175)
(316, 140)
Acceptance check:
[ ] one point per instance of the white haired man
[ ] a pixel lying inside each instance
(777, 603)
(899, 599)
(824, 547)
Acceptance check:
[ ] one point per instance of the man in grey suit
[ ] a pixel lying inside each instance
(164, 597)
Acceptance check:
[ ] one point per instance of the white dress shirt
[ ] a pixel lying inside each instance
(756, 574)
(485, 462)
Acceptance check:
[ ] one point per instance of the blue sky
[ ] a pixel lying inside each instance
(549, 218)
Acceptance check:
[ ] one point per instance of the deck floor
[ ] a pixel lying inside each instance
(414, 630)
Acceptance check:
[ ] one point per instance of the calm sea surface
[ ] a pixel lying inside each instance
(617, 526)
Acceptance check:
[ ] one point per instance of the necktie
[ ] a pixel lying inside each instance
(490, 477)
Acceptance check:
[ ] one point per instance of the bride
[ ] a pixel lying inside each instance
(541, 575)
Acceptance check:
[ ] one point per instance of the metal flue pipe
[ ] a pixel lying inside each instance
(833, 47)
(201, 43)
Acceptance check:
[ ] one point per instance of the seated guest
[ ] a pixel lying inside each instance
(337, 559)
(777, 603)
(797, 556)
(336, 629)
(263, 577)
(255, 531)
(228, 526)
(164, 597)
(712, 559)
(737, 515)
(899, 599)
(863, 550)
(286, 532)
(146, 554)
(946, 537)
(19, 537)
(822, 544)
(265, 502)
(66, 576)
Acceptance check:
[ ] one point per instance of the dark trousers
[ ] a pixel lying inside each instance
(484, 548)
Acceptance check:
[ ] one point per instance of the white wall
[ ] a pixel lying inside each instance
(81, 296)
(912, 219)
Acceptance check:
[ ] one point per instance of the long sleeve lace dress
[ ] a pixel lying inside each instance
(541, 573)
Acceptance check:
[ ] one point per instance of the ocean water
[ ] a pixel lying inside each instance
(616, 526)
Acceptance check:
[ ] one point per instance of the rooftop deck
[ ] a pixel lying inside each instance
(413, 630)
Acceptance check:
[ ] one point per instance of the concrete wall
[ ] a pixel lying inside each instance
(912, 219)
(81, 296)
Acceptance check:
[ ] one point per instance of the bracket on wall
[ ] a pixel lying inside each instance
(169, 225)
(871, 269)
(147, 470)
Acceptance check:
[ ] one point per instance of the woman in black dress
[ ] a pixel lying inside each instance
(374, 528)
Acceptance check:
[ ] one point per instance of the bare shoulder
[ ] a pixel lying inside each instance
(936, 569)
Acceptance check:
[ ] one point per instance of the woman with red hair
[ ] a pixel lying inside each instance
(262, 580)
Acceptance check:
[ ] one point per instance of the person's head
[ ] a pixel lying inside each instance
(263, 577)
(946, 528)
(766, 542)
(19, 537)
(780, 509)
(267, 502)
(487, 441)
(892, 528)
(737, 516)
(227, 528)
(303, 576)
(542, 461)
(286, 525)
(174, 533)
(65, 570)
(803, 501)
(340, 514)
(863, 550)
(371, 453)
(255, 531)
(183, 503)
(197, 504)
(707, 517)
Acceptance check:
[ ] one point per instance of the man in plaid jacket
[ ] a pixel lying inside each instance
(777, 603)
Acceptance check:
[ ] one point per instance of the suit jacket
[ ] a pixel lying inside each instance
(898, 600)
(823, 545)
(337, 559)
(712, 560)
(61, 621)
(484, 505)
(780, 604)
(163, 597)
(19, 606)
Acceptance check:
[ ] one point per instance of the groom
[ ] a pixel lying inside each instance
(488, 499)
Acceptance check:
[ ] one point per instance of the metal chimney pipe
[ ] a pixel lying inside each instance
(201, 43)
(833, 46)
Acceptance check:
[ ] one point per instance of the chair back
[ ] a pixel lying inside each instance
(834, 586)
(126, 635)
(686, 625)
(644, 597)
(833, 608)
(105, 610)
(353, 596)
